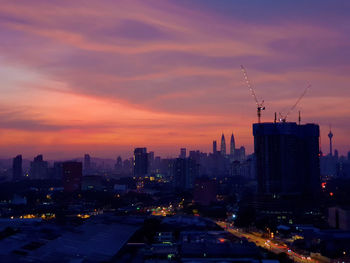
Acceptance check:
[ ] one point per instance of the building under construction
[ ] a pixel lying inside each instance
(287, 158)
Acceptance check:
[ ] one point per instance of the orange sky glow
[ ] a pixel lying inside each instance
(103, 77)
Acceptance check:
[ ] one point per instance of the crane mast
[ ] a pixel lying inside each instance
(260, 105)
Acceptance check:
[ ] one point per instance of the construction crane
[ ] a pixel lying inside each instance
(283, 118)
(260, 105)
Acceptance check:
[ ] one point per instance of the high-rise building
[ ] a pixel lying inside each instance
(150, 162)
(232, 146)
(57, 171)
(182, 153)
(287, 158)
(118, 165)
(184, 172)
(17, 171)
(72, 173)
(336, 155)
(140, 162)
(38, 168)
(214, 147)
(223, 146)
(239, 154)
(87, 162)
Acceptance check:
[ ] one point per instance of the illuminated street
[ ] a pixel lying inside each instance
(266, 243)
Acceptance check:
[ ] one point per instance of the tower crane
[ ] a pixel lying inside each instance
(260, 105)
(283, 118)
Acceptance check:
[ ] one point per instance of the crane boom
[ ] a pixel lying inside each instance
(260, 105)
(284, 118)
(246, 79)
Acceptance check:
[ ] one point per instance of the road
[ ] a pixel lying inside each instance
(267, 244)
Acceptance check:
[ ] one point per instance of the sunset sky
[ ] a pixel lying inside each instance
(103, 77)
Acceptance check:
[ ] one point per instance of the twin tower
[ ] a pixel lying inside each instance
(223, 146)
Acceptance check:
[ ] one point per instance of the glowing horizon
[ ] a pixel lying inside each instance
(104, 77)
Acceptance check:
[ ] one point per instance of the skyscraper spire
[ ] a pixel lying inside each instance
(232, 146)
(223, 145)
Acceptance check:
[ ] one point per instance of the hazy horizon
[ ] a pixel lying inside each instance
(104, 77)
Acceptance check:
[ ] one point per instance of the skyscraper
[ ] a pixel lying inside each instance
(185, 172)
(38, 168)
(214, 147)
(223, 146)
(17, 171)
(287, 158)
(140, 162)
(87, 162)
(232, 146)
(150, 162)
(118, 165)
(182, 153)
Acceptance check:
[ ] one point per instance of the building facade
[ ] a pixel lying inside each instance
(287, 158)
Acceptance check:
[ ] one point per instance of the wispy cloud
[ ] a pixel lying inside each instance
(133, 72)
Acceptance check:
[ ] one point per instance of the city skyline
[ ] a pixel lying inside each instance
(85, 77)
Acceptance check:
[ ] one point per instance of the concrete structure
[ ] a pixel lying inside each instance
(182, 153)
(17, 171)
(38, 168)
(223, 146)
(214, 147)
(330, 136)
(87, 163)
(140, 162)
(184, 172)
(339, 218)
(287, 158)
(232, 146)
(72, 173)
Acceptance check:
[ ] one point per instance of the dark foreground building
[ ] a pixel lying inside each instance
(287, 158)
(17, 171)
(140, 164)
(72, 173)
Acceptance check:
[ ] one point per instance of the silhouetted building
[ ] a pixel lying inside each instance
(87, 162)
(17, 171)
(239, 154)
(214, 147)
(118, 165)
(205, 190)
(184, 172)
(150, 162)
(336, 154)
(72, 173)
(330, 136)
(232, 146)
(287, 158)
(57, 170)
(223, 146)
(339, 217)
(38, 168)
(182, 153)
(128, 166)
(140, 162)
